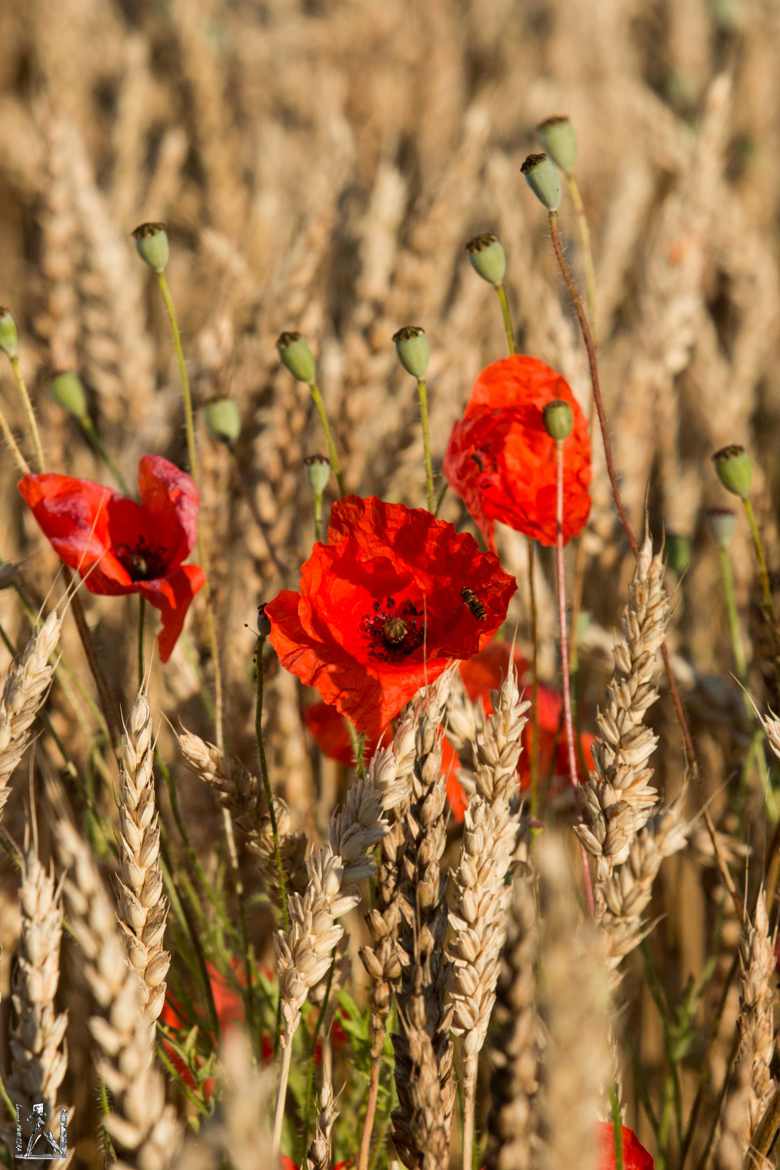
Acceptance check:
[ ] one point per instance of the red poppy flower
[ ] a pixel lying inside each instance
(501, 461)
(635, 1156)
(119, 546)
(329, 731)
(382, 609)
(482, 675)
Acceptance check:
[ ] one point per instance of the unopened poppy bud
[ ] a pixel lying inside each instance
(263, 621)
(413, 350)
(558, 419)
(559, 140)
(722, 522)
(151, 240)
(67, 390)
(544, 179)
(9, 340)
(318, 471)
(223, 420)
(735, 469)
(678, 552)
(488, 258)
(296, 355)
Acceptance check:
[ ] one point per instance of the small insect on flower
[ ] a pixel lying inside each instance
(473, 603)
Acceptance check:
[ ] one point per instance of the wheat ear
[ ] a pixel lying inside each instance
(143, 907)
(24, 690)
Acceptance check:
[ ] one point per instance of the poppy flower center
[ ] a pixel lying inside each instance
(393, 631)
(142, 562)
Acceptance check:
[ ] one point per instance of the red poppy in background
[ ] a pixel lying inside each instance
(120, 546)
(482, 675)
(635, 1156)
(329, 731)
(501, 461)
(382, 608)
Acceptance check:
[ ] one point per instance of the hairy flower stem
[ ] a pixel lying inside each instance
(617, 1126)
(192, 455)
(590, 348)
(13, 446)
(330, 443)
(740, 665)
(24, 394)
(506, 317)
(534, 680)
(368, 1123)
(560, 569)
(422, 395)
(587, 252)
(266, 782)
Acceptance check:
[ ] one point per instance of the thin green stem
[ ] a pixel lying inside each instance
(98, 446)
(506, 317)
(24, 394)
(13, 446)
(587, 251)
(318, 532)
(617, 1126)
(141, 617)
(265, 780)
(534, 682)
(422, 395)
(192, 454)
(763, 571)
(330, 443)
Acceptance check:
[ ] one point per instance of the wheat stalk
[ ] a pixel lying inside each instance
(319, 1153)
(25, 687)
(140, 1122)
(143, 907)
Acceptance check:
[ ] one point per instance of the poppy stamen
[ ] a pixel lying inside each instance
(143, 562)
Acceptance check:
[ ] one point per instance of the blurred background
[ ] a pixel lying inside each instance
(320, 167)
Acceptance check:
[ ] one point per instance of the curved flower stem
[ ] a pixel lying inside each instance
(590, 348)
(469, 1101)
(266, 782)
(506, 317)
(368, 1123)
(141, 617)
(96, 443)
(534, 681)
(560, 569)
(422, 395)
(587, 252)
(13, 446)
(192, 454)
(21, 386)
(330, 443)
(281, 1098)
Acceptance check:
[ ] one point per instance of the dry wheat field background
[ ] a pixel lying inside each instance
(416, 839)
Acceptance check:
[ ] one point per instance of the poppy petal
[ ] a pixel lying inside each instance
(73, 515)
(170, 500)
(172, 596)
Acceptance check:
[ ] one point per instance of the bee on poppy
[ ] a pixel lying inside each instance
(474, 604)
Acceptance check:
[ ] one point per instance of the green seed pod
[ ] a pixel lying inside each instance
(151, 240)
(318, 471)
(9, 340)
(560, 141)
(223, 420)
(558, 419)
(488, 258)
(296, 355)
(544, 179)
(413, 350)
(678, 552)
(67, 390)
(735, 469)
(721, 523)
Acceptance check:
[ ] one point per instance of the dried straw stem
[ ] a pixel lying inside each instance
(143, 907)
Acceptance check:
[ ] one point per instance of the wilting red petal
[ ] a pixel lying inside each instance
(74, 515)
(172, 596)
(381, 609)
(635, 1156)
(170, 500)
(501, 461)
